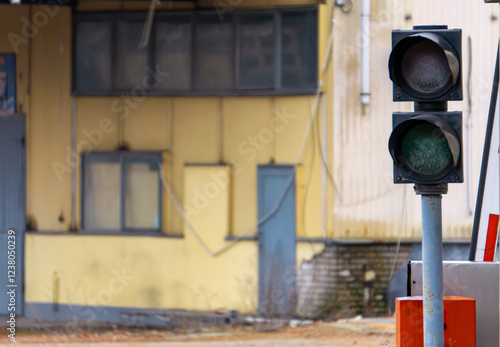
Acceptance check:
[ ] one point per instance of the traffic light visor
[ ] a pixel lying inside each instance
(424, 65)
(426, 147)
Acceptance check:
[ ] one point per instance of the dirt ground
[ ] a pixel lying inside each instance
(360, 333)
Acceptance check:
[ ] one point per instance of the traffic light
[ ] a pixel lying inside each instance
(425, 67)
(425, 64)
(426, 147)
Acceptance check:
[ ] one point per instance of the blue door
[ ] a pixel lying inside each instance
(12, 212)
(276, 207)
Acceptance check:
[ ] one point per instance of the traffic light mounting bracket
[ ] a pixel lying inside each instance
(431, 189)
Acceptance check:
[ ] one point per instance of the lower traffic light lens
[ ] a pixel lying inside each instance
(425, 150)
(425, 68)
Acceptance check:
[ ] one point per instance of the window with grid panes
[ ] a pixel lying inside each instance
(268, 51)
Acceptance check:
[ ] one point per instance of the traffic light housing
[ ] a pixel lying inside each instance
(425, 64)
(426, 147)
(425, 67)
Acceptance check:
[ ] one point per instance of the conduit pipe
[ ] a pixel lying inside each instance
(74, 168)
(365, 52)
(324, 176)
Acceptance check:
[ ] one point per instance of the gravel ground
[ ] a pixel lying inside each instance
(360, 333)
(344, 342)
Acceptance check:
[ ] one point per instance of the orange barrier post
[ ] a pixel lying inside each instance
(459, 321)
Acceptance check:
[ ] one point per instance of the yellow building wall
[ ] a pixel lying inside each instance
(190, 129)
(159, 272)
(141, 272)
(49, 138)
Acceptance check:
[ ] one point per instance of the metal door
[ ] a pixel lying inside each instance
(12, 212)
(276, 209)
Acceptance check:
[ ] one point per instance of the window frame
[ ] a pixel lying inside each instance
(121, 157)
(233, 17)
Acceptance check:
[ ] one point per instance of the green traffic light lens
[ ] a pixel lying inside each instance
(425, 68)
(425, 150)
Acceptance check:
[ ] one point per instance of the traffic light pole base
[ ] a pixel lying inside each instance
(432, 256)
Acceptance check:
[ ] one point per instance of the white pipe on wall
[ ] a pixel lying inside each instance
(73, 172)
(365, 52)
(324, 181)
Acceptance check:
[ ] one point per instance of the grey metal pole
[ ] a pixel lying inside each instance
(432, 256)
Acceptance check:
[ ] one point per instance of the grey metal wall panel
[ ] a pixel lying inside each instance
(477, 280)
(12, 208)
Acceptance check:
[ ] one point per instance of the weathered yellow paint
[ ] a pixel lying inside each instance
(219, 129)
(50, 120)
(255, 131)
(143, 272)
(152, 117)
(207, 204)
(244, 119)
(90, 113)
(307, 250)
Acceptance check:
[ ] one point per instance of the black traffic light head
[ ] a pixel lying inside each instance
(425, 64)
(427, 147)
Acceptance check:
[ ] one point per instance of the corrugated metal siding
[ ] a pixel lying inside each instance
(369, 204)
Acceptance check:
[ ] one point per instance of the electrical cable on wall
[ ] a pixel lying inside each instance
(312, 115)
(307, 185)
(313, 147)
(178, 207)
(401, 228)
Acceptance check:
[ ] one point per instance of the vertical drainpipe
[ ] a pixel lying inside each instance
(73, 172)
(324, 181)
(365, 52)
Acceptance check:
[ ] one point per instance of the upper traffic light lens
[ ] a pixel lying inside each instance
(425, 68)
(425, 150)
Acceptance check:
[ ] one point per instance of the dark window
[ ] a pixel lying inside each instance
(131, 60)
(256, 51)
(93, 49)
(173, 51)
(196, 53)
(299, 59)
(214, 47)
(121, 191)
